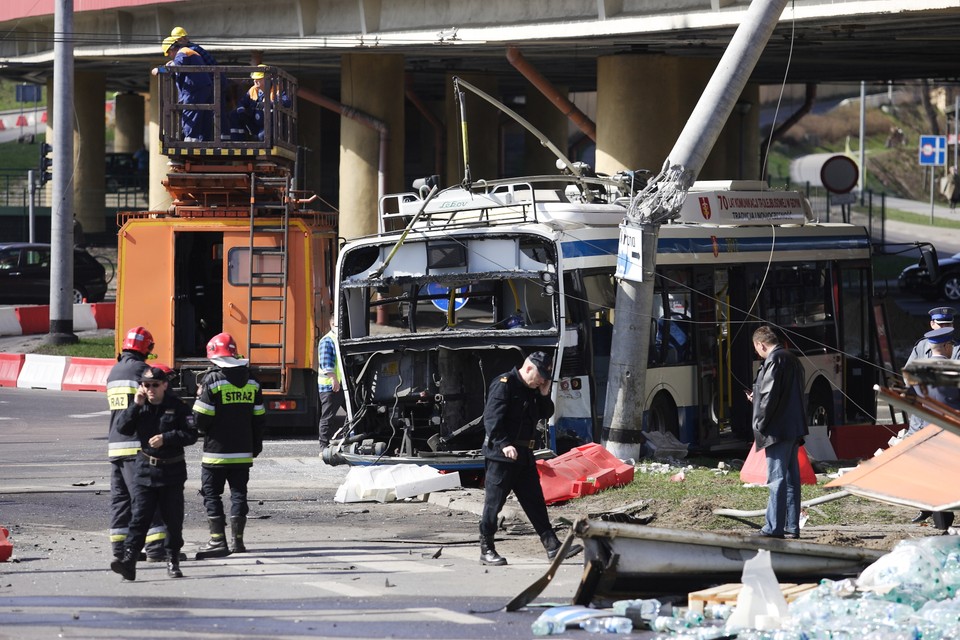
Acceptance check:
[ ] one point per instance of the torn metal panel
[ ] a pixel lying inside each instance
(921, 471)
(635, 559)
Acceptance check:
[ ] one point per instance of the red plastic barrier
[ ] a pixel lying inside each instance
(861, 441)
(87, 374)
(755, 467)
(105, 313)
(10, 365)
(34, 319)
(580, 472)
(43, 117)
(6, 547)
(22, 121)
(2, 126)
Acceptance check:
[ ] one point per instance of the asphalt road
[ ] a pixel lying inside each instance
(315, 567)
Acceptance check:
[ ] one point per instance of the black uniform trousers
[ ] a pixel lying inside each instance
(122, 486)
(212, 481)
(521, 477)
(147, 501)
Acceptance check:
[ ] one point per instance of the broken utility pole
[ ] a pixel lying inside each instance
(660, 201)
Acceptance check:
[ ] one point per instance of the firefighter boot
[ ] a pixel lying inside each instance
(117, 550)
(552, 545)
(173, 565)
(237, 524)
(126, 566)
(488, 553)
(216, 547)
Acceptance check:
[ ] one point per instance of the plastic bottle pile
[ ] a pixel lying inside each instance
(912, 593)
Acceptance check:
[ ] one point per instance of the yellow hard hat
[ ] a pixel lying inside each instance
(178, 32)
(258, 75)
(168, 42)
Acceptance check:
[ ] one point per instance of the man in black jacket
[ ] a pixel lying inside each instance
(164, 425)
(779, 424)
(516, 401)
(230, 415)
(122, 383)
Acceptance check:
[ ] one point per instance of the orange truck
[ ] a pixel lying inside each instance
(238, 251)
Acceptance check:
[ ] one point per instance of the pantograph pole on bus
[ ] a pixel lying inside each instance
(660, 201)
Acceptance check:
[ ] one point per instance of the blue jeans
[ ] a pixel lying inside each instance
(783, 480)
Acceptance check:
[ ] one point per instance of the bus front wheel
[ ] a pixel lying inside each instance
(663, 416)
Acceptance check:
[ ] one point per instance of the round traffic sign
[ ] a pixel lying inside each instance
(839, 174)
(435, 289)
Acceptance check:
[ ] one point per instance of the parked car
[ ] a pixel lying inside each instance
(945, 283)
(25, 274)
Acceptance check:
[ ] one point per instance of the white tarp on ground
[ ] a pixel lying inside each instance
(393, 482)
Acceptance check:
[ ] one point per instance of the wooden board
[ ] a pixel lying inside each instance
(727, 594)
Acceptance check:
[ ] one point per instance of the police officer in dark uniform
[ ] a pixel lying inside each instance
(516, 402)
(164, 425)
(940, 318)
(230, 415)
(940, 346)
(122, 382)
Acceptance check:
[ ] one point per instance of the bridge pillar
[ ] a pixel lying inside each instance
(483, 131)
(544, 115)
(129, 114)
(90, 90)
(643, 103)
(372, 83)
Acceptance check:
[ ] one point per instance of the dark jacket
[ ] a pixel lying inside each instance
(121, 386)
(230, 416)
(511, 414)
(175, 421)
(779, 407)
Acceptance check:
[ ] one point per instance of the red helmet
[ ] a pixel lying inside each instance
(222, 345)
(138, 339)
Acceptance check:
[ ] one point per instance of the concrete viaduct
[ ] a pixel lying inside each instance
(634, 67)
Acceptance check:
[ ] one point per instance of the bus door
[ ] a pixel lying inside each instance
(198, 291)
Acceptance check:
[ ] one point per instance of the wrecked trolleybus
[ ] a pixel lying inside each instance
(459, 286)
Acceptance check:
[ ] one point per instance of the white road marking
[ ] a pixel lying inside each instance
(97, 414)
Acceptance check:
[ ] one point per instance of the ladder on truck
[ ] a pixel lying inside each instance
(267, 279)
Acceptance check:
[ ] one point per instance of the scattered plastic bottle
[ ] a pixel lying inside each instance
(611, 624)
(717, 611)
(649, 609)
(543, 627)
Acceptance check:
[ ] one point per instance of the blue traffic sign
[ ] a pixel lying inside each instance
(933, 151)
(443, 304)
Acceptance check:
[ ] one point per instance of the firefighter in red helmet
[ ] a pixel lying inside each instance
(122, 384)
(230, 417)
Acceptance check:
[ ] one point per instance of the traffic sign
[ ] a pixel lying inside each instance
(933, 151)
(443, 304)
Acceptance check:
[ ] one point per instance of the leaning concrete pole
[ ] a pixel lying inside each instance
(658, 202)
(61, 211)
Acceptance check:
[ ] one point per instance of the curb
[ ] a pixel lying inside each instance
(35, 319)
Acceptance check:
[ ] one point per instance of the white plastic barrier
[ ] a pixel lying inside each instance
(83, 319)
(9, 323)
(42, 372)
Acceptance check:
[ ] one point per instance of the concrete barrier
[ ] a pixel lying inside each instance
(87, 374)
(10, 365)
(42, 372)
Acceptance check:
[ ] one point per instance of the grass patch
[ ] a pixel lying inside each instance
(101, 347)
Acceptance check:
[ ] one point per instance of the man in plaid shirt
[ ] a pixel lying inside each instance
(328, 384)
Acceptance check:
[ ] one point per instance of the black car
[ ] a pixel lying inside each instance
(25, 274)
(944, 284)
